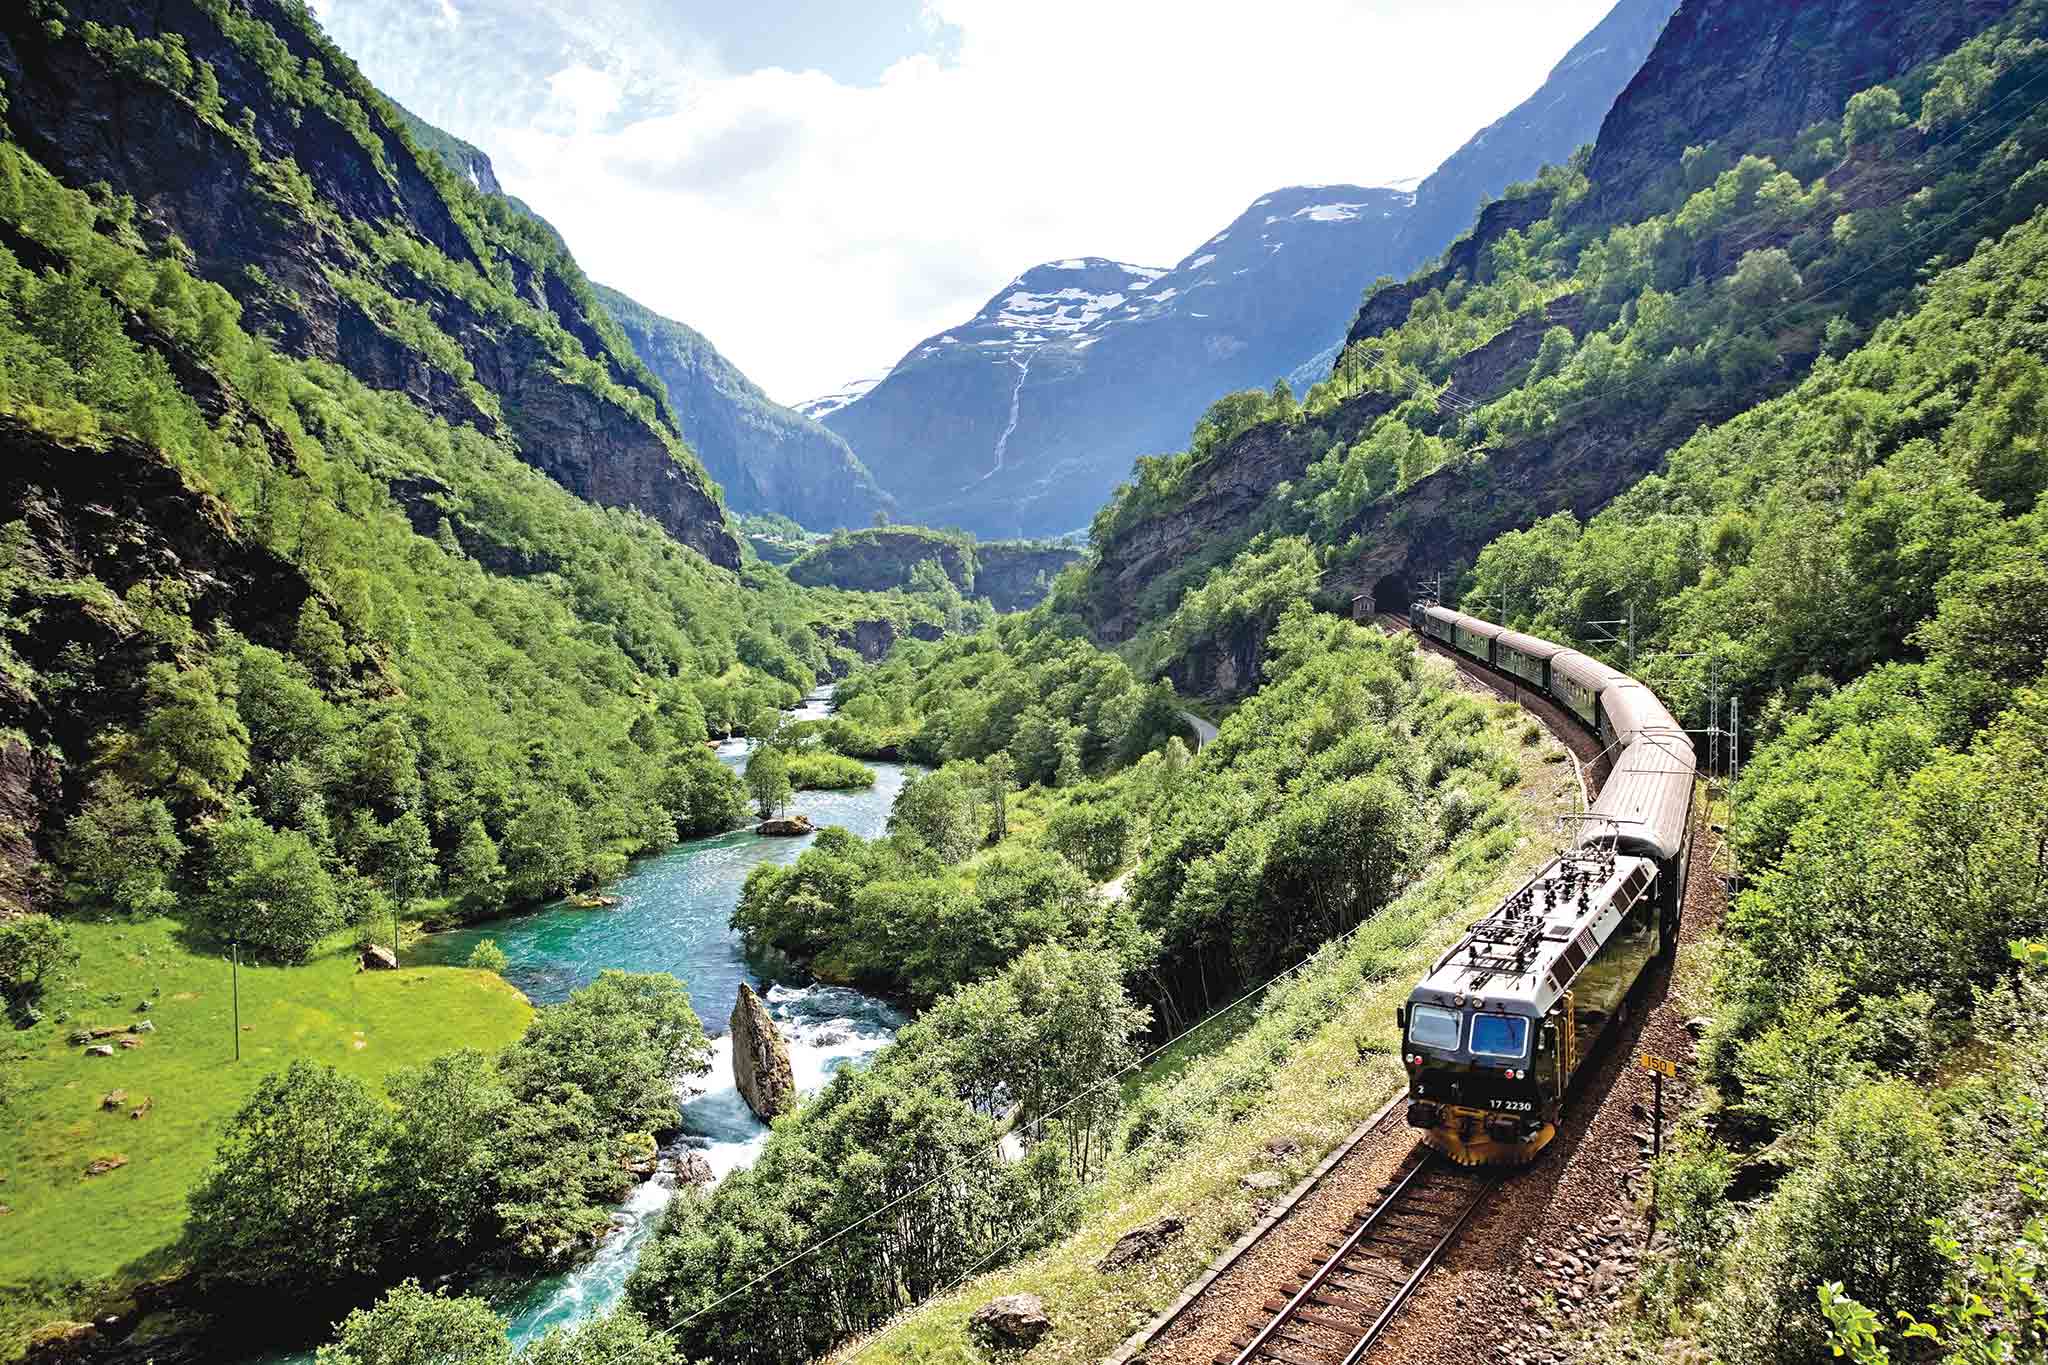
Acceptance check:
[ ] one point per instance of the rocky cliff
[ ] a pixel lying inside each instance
(1747, 72)
(1518, 444)
(344, 240)
(117, 518)
(768, 458)
(760, 1059)
(1563, 115)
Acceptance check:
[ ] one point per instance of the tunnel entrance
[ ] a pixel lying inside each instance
(1393, 593)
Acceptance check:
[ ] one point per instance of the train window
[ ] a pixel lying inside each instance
(1429, 1026)
(1500, 1035)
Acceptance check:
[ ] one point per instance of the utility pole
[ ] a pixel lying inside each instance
(235, 976)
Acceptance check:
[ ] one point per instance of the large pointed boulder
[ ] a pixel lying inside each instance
(760, 1059)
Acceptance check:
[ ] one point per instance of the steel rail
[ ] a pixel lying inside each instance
(1431, 1165)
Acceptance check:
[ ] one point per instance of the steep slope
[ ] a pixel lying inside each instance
(1555, 355)
(1267, 296)
(335, 233)
(768, 458)
(1560, 117)
(1773, 70)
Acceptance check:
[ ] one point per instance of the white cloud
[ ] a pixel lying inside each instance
(816, 230)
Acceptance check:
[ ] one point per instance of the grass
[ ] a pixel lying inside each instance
(73, 1238)
(1308, 1065)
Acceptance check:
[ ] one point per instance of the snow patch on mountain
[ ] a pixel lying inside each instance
(816, 408)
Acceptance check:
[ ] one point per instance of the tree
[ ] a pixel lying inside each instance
(408, 859)
(620, 1337)
(1001, 773)
(624, 1040)
(409, 1326)
(191, 740)
(768, 779)
(31, 948)
(475, 874)
(289, 1203)
(701, 794)
(544, 853)
(120, 851)
(267, 889)
(1764, 280)
(437, 1175)
(1871, 116)
(937, 810)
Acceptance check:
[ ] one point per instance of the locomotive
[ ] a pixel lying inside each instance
(1494, 1034)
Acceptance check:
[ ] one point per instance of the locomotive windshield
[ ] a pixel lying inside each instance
(1429, 1026)
(1500, 1035)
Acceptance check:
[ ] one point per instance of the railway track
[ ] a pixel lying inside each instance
(1332, 1313)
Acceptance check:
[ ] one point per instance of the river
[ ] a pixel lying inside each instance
(673, 919)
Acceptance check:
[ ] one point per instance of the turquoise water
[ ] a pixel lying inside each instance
(673, 919)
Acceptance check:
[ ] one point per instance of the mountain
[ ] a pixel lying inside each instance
(1551, 359)
(1012, 575)
(1022, 421)
(767, 457)
(518, 345)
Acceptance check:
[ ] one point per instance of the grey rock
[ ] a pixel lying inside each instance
(760, 1059)
(1263, 1180)
(100, 1050)
(378, 958)
(1142, 1243)
(1014, 1320)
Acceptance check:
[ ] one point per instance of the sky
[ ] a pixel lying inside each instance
(817, 185)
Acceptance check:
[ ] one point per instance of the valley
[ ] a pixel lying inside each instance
(517, 846)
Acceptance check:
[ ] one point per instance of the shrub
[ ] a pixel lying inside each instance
(31, 948)
(828, 772)
(1859, 1210)
(409, 1326)
(487, 956)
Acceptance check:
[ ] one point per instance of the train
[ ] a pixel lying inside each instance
(1496, 1031)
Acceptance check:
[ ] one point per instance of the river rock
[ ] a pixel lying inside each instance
(785, 826)
(377, 958)
(1014, 1320)
(760, 1059)
(693, 1169)
(592, 900)
(1142, 1243)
